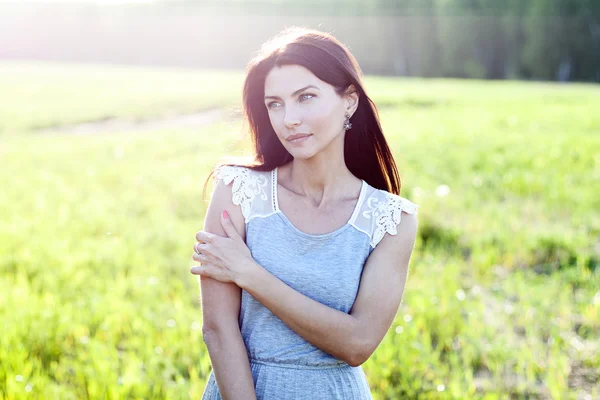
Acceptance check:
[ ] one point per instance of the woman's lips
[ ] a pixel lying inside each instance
(300, 139)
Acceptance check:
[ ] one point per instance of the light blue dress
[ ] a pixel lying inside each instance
(327, 268)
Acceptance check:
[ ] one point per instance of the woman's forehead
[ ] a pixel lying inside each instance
(285, 80)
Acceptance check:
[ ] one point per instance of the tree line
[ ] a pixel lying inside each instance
(486, 39)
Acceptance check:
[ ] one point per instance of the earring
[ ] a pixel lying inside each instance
(347, 124)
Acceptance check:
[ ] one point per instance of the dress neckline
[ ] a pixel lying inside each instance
(357, 206)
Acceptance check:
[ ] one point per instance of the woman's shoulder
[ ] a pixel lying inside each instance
(241, 173)
(382, 199)
(250, 188)
(381, 212)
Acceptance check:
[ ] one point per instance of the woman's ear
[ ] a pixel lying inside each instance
(351, 96)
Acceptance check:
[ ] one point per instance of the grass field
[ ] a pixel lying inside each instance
(96, 235)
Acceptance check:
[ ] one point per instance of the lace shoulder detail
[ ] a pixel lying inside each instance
(247, 184)
(384, 210)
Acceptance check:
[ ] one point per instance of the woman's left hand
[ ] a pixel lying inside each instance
(226, 259)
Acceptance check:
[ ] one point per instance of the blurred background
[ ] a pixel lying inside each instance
(113, 113)
(533, 39)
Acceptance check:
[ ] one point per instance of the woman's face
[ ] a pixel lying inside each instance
(300, 103)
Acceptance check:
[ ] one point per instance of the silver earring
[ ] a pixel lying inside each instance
(347, 124)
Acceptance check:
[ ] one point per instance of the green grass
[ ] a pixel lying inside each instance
(36, 96)
(96, 235)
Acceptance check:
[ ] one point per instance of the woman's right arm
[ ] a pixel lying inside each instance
(221, 307)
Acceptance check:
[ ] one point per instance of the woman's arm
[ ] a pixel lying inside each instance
(220, 310)
(350, 337)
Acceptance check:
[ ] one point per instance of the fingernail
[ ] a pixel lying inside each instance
(225, 214)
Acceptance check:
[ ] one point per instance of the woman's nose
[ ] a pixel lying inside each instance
(291, 119)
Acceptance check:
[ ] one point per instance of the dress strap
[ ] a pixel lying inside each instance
(274, 190)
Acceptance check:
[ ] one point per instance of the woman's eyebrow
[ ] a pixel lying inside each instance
(295, 93)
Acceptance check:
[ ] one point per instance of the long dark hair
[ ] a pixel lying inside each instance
(366, 151)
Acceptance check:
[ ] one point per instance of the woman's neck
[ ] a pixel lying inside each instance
(321, 181)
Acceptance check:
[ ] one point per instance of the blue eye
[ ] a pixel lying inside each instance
(307, 94)
(302, 97)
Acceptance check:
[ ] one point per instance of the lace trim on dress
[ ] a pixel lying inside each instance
(274, 200)
(246, 185)
(387, 214)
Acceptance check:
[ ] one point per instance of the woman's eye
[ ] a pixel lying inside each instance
(307, 94)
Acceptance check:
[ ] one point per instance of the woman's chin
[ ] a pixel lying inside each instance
(302, 154)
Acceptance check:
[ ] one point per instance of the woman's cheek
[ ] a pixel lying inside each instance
(276, 123)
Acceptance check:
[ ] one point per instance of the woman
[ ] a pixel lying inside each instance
(299, 281)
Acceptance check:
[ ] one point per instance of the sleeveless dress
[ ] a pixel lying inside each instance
(325, 267)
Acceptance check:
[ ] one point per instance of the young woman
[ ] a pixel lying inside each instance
(299, 280)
